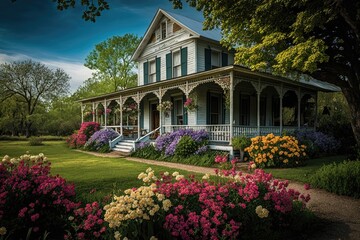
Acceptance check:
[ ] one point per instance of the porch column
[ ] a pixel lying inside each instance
(231, 106)
(93, 111)
(316, 110)
(105, 113)
(299, 105)
(258, 111)
(281, 117)
(161, 117)
(82, 113)
(139, 114)
(121, 116)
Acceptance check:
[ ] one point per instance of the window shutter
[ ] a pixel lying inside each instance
(207, 59)
(146, 73)
(184, 55)
(185, 112)
(158, 69)
(224, 59)
(169, 66)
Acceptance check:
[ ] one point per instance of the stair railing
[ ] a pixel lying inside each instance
(115, 141)
(145, 137)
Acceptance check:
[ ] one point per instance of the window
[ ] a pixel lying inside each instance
(215, 59)
(152, 72)
(244, 112)
(178, 111)
(163, 30)
(176, 64)
(214, 108)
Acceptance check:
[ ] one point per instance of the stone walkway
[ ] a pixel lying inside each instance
(340, 214)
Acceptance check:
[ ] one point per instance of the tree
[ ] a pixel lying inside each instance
(31, 82)
(111, 60)
(319, 38)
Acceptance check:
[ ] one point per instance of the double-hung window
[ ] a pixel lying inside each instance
(176, 64)
(152, 72)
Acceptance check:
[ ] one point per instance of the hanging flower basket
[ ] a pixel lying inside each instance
(190, 105)
(165, 106)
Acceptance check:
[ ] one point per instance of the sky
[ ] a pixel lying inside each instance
(35, 29)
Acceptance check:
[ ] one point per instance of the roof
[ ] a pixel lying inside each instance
(193, 26)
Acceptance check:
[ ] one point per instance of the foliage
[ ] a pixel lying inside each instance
(171, 205)
(99, 141)
(167, 143)
(30, 198)
(164, 106)
(35, 141)
(190, 105)
(318, 143)
(32, 82)
(111, 59)
(318, 38)
(186, 146)
(276, 151)
(146, 150)
(240, 142)
(78, 139)
(342, 178)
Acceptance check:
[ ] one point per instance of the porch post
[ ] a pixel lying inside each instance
(138, 119)
(121, 116)
(299, 105)
(82, 113)
(105, 113)
(231, 106)
(281, 95)
(316, 110)
(161, 117)
(93, 111)
(258, 110)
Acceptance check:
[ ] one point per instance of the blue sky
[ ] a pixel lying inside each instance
(36, 29)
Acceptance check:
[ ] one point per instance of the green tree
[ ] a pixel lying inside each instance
(32, 83)
(111, 60)
(319, 38)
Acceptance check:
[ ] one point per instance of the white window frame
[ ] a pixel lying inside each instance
(218, 59)
(152, 71)
(163, 25)
(176, 68)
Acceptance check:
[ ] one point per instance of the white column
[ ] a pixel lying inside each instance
(121, 116)
(299, 105)
(93, 111)
(161, 118)
(258, 110)
(316, 110)
(231, 106)
(105, 113)
(281, 117)
(82, 113)
(138, 121)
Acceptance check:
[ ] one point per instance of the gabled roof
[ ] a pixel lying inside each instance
(193, 26)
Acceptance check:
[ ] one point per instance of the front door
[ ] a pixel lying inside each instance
(155, 117)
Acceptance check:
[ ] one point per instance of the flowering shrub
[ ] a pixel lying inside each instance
(167, 143)
(99, 141)
(245, 207)
(30, 198)
(318, 142)
(78, 139)
(190, 105)
(164, 106)
(271, 150)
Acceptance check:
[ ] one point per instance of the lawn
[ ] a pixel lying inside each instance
(302, 174)
(87, 172)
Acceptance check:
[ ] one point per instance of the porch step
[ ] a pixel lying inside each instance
(124, 146)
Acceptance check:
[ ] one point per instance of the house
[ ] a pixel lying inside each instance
(179, 63)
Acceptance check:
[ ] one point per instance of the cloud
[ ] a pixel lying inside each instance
(76, 70)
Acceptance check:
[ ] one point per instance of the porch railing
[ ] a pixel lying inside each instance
(217, 133)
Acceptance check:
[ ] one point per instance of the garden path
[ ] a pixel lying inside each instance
(340, 215)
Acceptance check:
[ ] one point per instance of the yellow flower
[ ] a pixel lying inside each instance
(3, 231)
(117, 235)
(153, 238)
(175, 174)
(262, 212)
(206, 176)
(166, 204)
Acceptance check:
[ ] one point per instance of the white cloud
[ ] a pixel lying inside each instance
(76, 70)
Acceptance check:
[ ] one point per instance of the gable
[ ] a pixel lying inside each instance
(164, 29)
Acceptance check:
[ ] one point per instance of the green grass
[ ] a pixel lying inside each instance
(86, 171)
(303, 173)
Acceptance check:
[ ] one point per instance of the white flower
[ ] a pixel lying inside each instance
(153, 238)
(166, 173)
(206, 176)
(175, 174)
(253, 166)
(149, 170)
(117, 235)
(41, 155)
(71, 218)
(179, 177)
(262, 212)
(3, 231)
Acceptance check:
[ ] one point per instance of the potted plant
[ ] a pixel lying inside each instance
(239, 143)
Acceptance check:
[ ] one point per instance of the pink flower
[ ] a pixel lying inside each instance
(307, 186)
(34, 217)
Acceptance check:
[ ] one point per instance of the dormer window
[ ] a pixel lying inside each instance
(163, 30)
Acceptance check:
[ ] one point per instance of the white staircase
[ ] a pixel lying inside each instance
(124, 146)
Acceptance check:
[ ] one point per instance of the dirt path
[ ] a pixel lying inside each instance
(340, 214)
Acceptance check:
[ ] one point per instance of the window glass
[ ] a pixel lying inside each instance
(163, 30)
(152, 72)
(176, 64)
(215, 59)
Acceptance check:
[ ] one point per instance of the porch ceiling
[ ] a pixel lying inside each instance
(239, 72)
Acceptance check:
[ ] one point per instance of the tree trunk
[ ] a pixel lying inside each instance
(353, 98)
(27, 129)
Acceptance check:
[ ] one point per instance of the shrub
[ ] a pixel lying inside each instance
(146, 150)
(99, 141)
(185, 147)
(31, 200)
(35, 141)
(342, 179)
(79, 138)
(167, 142)
(172, 206)
(318, 143)
(276, 151)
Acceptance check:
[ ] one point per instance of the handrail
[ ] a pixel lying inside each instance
(113, 142)
(148, 134)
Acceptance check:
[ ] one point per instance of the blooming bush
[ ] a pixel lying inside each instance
(99, 141)
(318, 143)
(245, 207)
(78, 139)
(190, 105)
(168, 142)
(33, 200)
(276, 151)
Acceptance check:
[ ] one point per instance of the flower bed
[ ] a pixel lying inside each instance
(171, 206)
(78, 139)
(99, 141)
(276, 151)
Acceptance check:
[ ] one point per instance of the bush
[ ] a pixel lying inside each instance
(99, 141)
(36, 203)
(79, 138)
(174, 207)
(342, 179)
(167, 143)
(276, 151)
(318, 143)
(185, 147)
(35, 141)
(146, 150)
